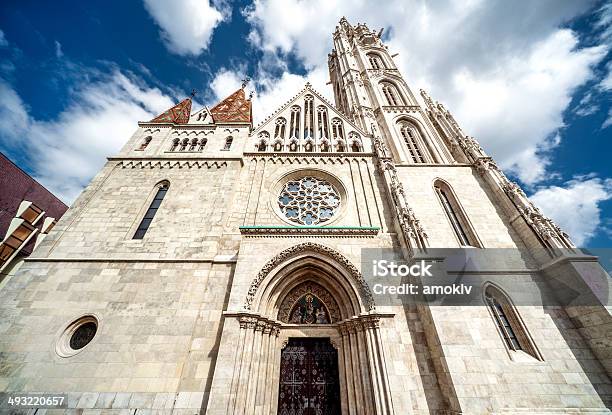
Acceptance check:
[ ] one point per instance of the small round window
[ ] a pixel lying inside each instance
(83, 335)
(77, 335)
(309, 200)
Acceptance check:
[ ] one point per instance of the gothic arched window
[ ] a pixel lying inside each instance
(458, 220)
(355, 142)
(184, 144)
(294, 126)
(308, 116)
(228, 143)
(203, 142)
(194, 144)
(322, 122)
(391, 94)
(412, 139)
(337, 129)
(279, 129)
(340, 147)
(509, 323)
(263, 137)
(376, 61)
(162, 188)
(175, 144)
(145, 143)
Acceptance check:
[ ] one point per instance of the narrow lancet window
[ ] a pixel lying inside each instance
(460, 224)
(409, 134)
(509, 323)
(279, 130)
(391, 94)
(148, 217)
(228, 143)
(308, 116)
(322, 122)
(294, 126)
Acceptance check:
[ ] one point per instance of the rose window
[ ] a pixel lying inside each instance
(309, 201)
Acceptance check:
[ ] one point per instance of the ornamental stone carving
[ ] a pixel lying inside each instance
(287, 254)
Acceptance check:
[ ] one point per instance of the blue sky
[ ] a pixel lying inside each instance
(532, 81)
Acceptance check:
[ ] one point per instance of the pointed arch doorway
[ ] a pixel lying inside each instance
(305, 293)
(309, 383)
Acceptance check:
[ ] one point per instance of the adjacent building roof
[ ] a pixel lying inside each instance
(179, 114)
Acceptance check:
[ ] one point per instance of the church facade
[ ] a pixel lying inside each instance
(213, 266)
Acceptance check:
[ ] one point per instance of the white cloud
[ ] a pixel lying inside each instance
(575, 207)
(14, 118)
(67, 152)
(186, 25)
(3, 41)
(608, 121)
(506, 70)
(58, 50)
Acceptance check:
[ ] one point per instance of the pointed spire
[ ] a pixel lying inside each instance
(235, 108)
(179, 114)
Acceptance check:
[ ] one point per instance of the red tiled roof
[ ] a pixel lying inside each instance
(235, 108)
(179, 114)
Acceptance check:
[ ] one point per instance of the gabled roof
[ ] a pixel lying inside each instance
(179, 114)
(235, 108)
(307, 89)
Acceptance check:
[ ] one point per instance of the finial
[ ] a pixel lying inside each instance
(381, 32)
(245, 81)
(250, 95)
(308, 85)
(193, 93)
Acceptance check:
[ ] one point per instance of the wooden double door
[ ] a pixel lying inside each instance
(309, 382)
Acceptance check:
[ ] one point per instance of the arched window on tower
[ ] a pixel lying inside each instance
(279, 129)
(308, 116)
(392, 95)
(509, 323)
(375, 61)
(322, 122)
(414, 142)
(145, 143)
(458, 220)
(162, 188)
(294, 126)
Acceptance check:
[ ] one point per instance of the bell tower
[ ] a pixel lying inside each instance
(369, 88)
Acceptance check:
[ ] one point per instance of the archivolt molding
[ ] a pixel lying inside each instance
(172, 164)
(295, 250)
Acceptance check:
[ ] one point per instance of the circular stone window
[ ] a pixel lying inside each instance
(309, 200)
(77, 335)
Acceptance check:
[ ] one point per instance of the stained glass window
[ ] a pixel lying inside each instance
(309, 200)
